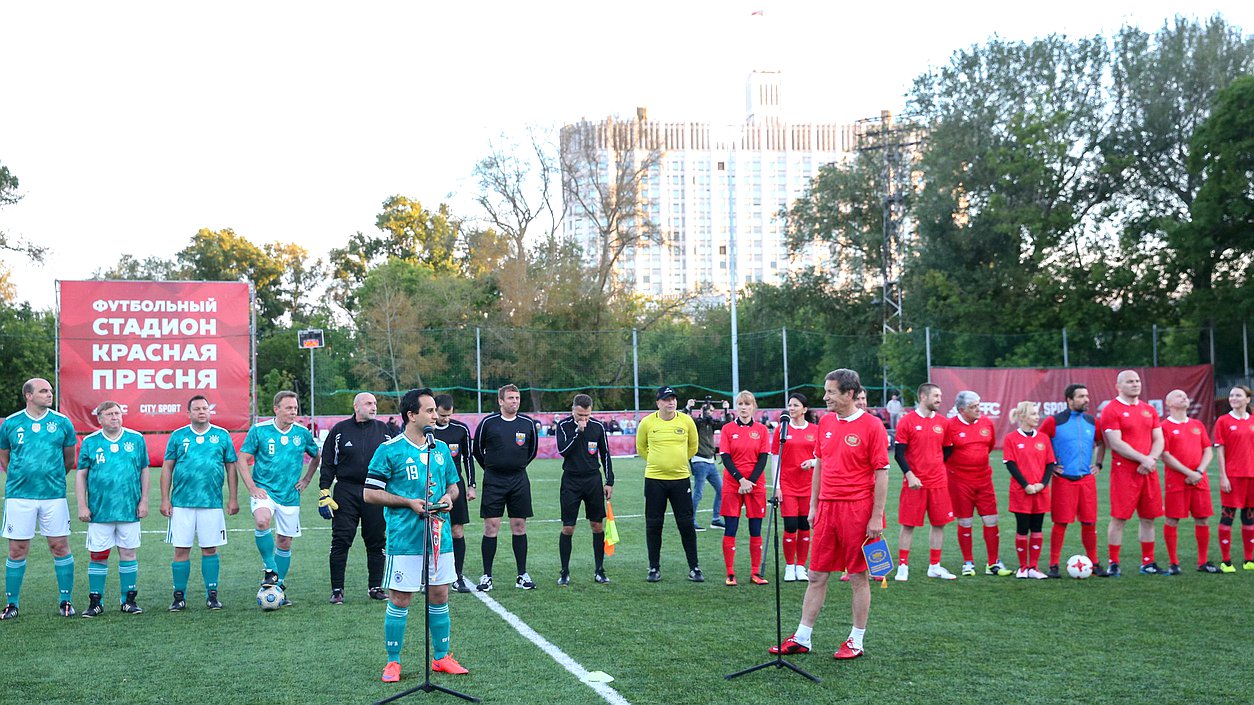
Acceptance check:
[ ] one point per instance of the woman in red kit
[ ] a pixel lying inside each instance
(1234, 437)
(796, 466)
(1029, 456)
(745, 445)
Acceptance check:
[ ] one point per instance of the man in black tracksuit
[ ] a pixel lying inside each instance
(505, 443)
(346, 456)
(582, 441)
(457, 435)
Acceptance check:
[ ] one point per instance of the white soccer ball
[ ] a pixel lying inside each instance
(1079, 567)
(269, 597)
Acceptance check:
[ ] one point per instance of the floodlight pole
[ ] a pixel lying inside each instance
(312, 416)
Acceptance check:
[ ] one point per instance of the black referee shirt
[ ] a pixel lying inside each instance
(505, 446)
(457, 435)
(581, 450)
(348, 449)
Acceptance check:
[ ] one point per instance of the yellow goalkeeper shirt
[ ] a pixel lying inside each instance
(666, 446)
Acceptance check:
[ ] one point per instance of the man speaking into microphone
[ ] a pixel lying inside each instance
(414, 478)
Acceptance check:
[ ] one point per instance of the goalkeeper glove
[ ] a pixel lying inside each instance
(326, 505)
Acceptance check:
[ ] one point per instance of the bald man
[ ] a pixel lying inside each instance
(346, 458)
(1133, 432)
(36, 451)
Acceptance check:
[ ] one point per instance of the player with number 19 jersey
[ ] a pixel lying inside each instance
(400, 467)
(199, 466)
(114, 469)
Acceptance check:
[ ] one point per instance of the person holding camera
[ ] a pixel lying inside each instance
(702, 464)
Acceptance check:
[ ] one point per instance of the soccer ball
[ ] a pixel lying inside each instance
(1079, 567)
(269, 597)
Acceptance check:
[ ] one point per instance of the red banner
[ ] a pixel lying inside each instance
(1001, 389)
(150, 346)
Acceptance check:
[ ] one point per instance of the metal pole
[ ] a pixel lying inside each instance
(635, 367)
(1245, 350)
(1066, 360)
(1212, 348)
(478, 373)
(927, 346)
(312, 415)
(783, 332)
(1155, 343)
(731, 250)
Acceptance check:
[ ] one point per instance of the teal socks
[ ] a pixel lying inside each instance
(128, 578)
(440, 626)
(394, 630)
(283, 562)
(209, 569)
(182, 570)
(265, 546)
(14, 571)
(64, 567)
(97, 571)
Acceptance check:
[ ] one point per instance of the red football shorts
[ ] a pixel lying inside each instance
(1023, 503)
(838, 534)
(753, 504)
(794, 505)
(969, 496)
(1073, 499)
(1191, 501)
(1242, 494)
(934, 501)
(1130, 491)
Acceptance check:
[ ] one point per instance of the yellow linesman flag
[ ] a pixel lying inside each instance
(611, 529)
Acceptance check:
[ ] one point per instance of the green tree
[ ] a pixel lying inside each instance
(27, 339)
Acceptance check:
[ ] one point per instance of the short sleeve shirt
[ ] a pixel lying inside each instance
(850, 452)
(36, 454)
(972, 443)
(1135, 423)
(412, 471)
(801, 445)
(1186, 441)
(924, 439)
(199, 466)
(114, 470)
(279, 457)
(1237, 438)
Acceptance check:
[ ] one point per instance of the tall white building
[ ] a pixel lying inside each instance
(712, 186)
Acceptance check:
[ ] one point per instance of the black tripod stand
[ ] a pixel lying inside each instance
(431, 540)
(772, 530)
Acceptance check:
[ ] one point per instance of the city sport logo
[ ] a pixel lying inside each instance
(520, 438)
(852, 440)
(592, 447)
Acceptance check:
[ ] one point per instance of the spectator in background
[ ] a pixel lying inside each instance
(895, 409)
(703, 468)
(613, 426)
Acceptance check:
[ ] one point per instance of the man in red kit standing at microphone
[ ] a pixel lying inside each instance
(846, 508)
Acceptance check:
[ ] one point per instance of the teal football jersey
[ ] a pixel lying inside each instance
(36, 454)
(279, 457)
(199, 466)
(399, 466)
(114, 469)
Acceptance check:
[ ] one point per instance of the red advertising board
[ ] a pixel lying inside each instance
(1001, 389)
(150, 346)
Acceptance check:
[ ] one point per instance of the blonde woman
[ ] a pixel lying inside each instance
(1029, 457)
(745, 445)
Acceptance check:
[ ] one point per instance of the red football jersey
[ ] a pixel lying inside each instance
(1237, 438)
(800, 446)
(924, 439)
(1186, 441)
(850, 452)
(972, 443)
(1030, 454)
(1135, 423)
(745, 443)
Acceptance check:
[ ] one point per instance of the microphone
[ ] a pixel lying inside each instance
(429, 432)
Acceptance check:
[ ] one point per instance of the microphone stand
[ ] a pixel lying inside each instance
(427, 686)
(773, 531)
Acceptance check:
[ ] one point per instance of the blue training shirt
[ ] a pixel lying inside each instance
(1073, 434)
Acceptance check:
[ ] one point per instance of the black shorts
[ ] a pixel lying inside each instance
(505, 491)
(581, 489)
(460, 511)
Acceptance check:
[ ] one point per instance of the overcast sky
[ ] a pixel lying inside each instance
(133, 124)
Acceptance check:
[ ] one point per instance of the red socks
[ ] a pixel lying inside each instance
(1225, 542)
(991, 541)
(1021, 550)
(755, 554)
(803, 547)
(964, 543)
(790, 547)
(1247, 540)
(1147, 552)
(1202, 533)
(903, 555)
(1113, 550)
(1170, 534)
(729, 553)
(1034, 548)
(933, 556)
(1088, 536)
(1056, 535)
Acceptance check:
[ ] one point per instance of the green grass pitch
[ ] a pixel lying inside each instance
(981, 639)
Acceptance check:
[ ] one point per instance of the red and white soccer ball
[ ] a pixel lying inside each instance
(1079, 567)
